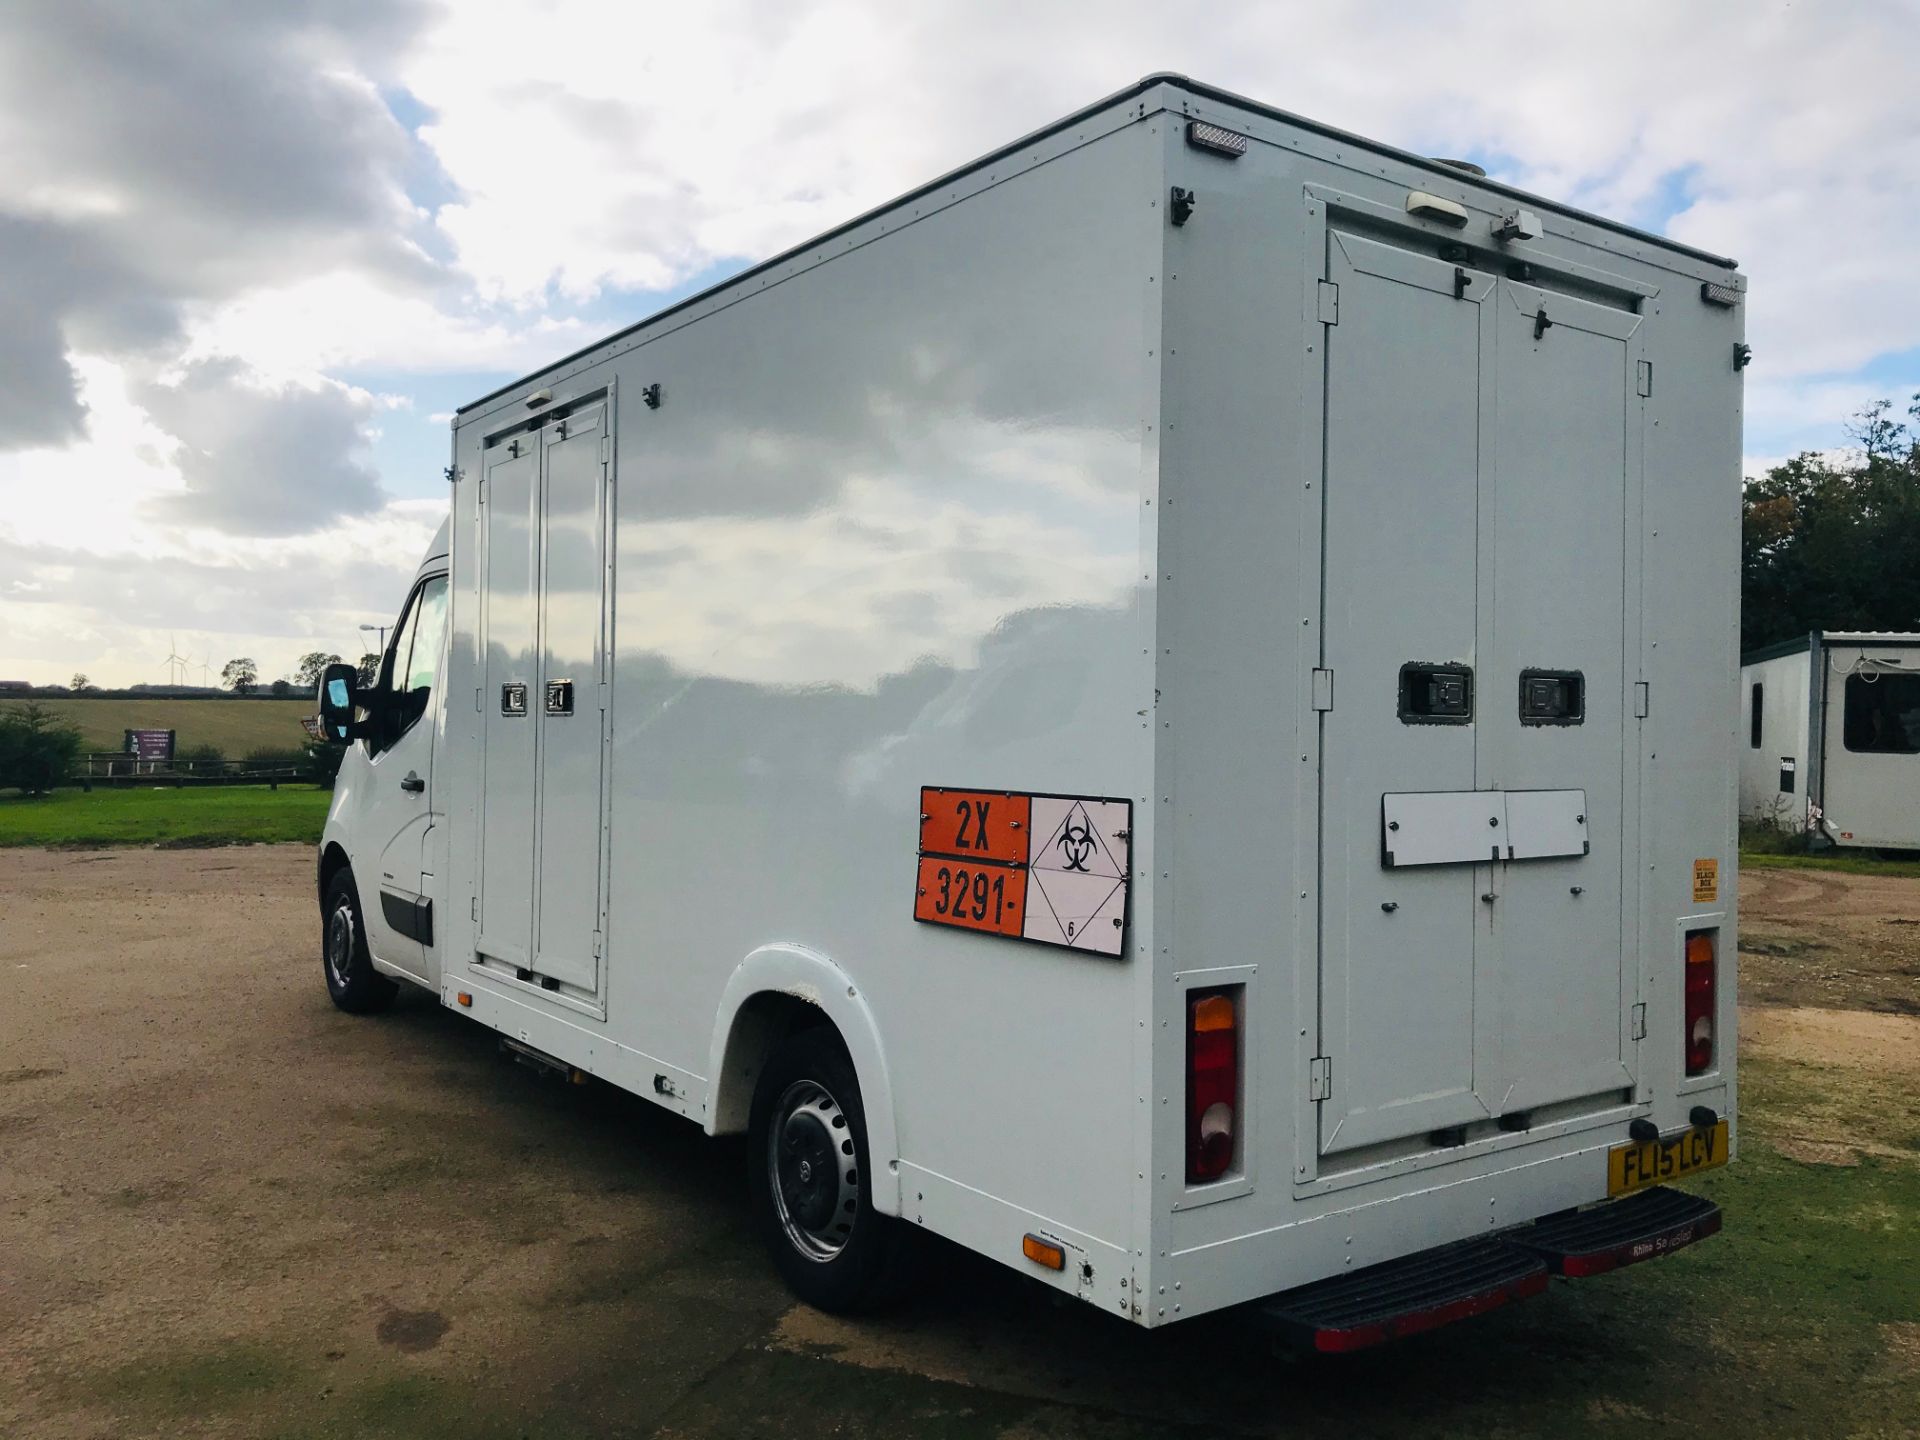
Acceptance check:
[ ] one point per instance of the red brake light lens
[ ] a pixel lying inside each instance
(1213, 1083)
(1702, 985)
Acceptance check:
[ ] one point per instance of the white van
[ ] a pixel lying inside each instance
(1157, 707)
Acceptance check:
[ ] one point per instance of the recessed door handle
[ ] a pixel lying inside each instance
(412, 783)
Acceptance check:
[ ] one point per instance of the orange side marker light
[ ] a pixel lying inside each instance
(1043, 1252)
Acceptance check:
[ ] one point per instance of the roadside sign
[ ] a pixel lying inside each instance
(150, 744)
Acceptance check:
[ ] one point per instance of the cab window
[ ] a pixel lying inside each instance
(412, 666)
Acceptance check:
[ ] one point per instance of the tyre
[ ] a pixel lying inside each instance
(808, 1165)
(354, 984)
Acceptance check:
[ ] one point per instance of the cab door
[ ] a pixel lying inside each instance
(399, 814)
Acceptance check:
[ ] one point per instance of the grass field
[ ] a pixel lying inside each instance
(235, 726)
(1846, 862)
(228, 815)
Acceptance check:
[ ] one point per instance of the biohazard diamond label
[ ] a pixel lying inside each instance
(1077, 883)
(1047, 868)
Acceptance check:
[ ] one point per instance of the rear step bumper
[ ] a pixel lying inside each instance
(1436, 1287)
(1605, 1237)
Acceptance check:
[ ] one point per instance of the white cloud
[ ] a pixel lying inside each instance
(260, 214)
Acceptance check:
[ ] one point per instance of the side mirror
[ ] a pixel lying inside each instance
(339, 696)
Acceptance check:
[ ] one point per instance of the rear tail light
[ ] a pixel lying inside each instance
(1702, 986)
(1213, 1083)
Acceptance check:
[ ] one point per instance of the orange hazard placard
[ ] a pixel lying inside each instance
(1051, 869)
(975, 824)
(969, 894)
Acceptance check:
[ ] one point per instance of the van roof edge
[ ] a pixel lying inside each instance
(1139, 87)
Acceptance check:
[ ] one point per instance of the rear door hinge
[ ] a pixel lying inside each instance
(1639, 1021)
(1640, 700)
(473, 907)
(1329, 303)
(1320, 1077)
(1643, 377)
(479, 706)
(597, 938)
(481, 490)
(1323, 689)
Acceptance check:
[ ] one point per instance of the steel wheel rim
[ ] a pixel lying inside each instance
(813, 1170)
(340, 944)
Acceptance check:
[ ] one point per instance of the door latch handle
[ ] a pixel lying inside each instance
(412, 783)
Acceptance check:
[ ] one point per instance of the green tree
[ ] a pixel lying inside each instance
(1828, 541)
(80, 684)
(240, 676)
(306, 675)
(37, 748)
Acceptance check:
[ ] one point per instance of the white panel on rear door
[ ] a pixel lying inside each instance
(1397, 991)
(1546, 824)
(1558, 501)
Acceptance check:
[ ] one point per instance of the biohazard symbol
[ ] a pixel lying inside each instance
(1077, 842)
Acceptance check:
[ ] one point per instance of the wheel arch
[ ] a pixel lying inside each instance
(775, 991)
(333, 859)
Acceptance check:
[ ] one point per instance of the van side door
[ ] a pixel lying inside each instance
(399, 814)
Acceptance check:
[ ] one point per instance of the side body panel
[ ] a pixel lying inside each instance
(888, 525)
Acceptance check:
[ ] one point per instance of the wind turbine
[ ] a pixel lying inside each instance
(205, 669)
(176, 662)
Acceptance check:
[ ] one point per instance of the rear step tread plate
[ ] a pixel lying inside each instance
(1619, 1232)
(1406, 1296)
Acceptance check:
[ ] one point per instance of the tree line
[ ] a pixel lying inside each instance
(1831, 541)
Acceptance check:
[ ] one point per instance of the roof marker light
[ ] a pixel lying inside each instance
(1203, 136)
(1435, 207)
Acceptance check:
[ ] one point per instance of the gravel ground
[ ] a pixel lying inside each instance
(228, 1210)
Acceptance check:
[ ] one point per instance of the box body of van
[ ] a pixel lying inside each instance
(1198, 645)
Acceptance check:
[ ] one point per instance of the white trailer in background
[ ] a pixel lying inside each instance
(1156, 707)
(1831, 723)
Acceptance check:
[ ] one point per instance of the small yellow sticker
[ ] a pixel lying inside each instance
(1706, 882)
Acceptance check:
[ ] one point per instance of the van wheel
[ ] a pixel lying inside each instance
(356, 987)
(807, 1162)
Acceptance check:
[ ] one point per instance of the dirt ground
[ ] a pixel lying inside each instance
(227, 1209)
(1823, 938)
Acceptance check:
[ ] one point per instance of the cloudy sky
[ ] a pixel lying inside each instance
(253, 255)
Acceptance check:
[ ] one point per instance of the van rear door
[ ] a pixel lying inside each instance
(1478, 609)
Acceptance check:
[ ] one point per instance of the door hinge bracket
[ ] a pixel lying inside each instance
(1320, 1077)
(606, 449)
(1639, 1021)
(1643, 376)
(1329, 302)
(1641, 703)
(1323, 689)
(473, 907)
(481, 490)
(597, 939)
(606, 696)
(479, 706)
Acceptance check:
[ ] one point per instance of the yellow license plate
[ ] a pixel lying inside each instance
(1634, 1167)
